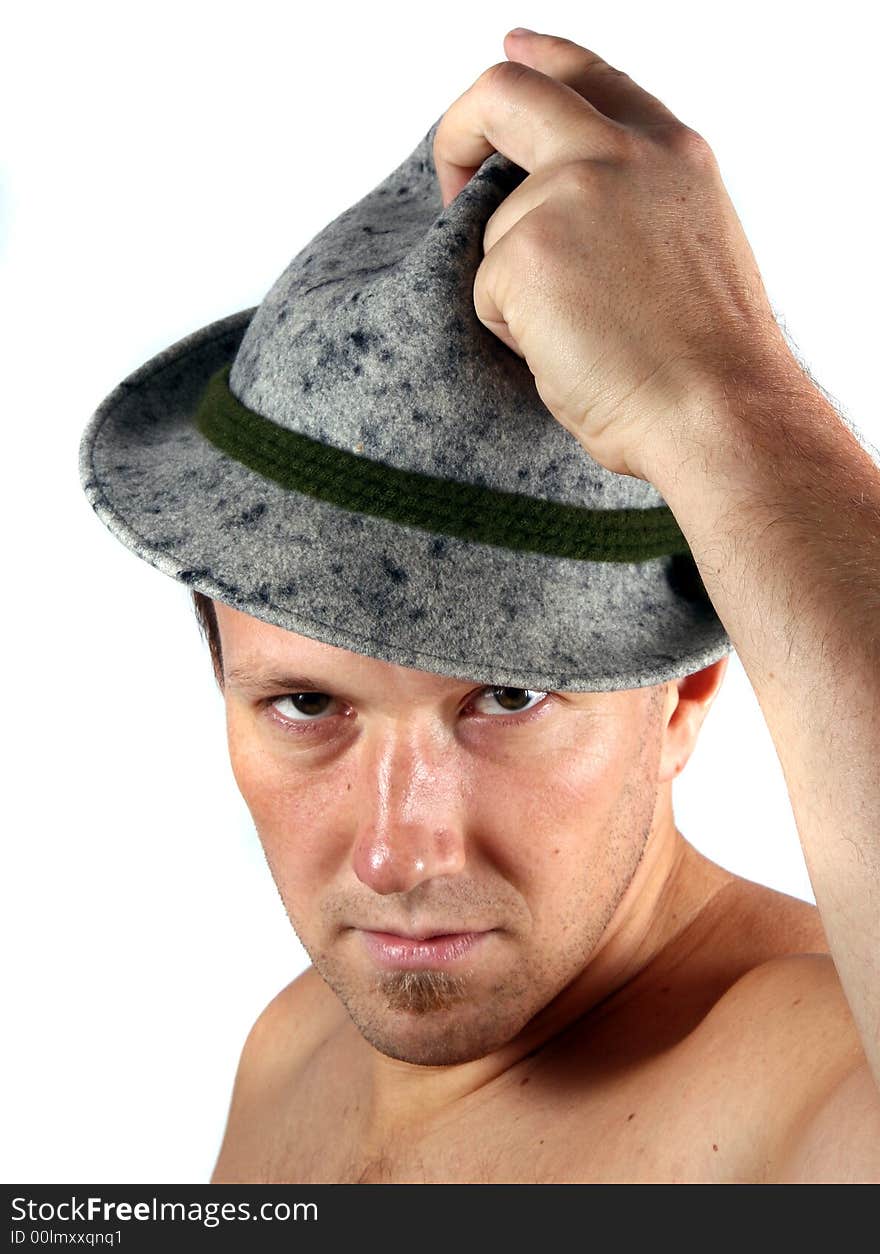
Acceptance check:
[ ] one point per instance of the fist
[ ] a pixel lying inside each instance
(618, 269)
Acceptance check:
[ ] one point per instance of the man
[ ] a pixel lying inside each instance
(521, 970)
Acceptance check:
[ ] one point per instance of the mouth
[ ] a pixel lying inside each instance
(390, 949)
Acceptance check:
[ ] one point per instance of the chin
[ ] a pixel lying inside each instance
(431, 1016)
(411, 1023)
(443, 1041)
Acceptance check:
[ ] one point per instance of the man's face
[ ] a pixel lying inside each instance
(393, 800)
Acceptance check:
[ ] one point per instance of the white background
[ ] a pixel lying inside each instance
(161, 164)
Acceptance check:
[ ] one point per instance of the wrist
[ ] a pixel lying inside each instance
(721, 416)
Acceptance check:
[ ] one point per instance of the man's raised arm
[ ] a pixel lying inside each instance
(780, 505)
(619, 270)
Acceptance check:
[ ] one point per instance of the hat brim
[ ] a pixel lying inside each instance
(436, 603)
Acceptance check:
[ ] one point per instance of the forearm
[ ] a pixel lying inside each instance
(781, 508)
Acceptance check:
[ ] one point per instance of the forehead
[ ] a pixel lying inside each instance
(253, 649)
(243, 631)
(250, 643)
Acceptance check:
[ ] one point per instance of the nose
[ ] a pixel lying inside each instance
(410, 827)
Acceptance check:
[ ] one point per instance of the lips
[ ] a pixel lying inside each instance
(426, 933)
(390, 949)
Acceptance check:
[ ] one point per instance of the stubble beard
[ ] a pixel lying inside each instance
(421, 991)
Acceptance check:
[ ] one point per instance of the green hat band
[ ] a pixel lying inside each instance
(443, 506)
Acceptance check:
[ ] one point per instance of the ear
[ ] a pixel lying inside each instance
(687, 704)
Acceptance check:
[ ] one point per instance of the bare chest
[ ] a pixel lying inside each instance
(651, 1124)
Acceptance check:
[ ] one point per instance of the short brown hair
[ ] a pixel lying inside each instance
(206, 617)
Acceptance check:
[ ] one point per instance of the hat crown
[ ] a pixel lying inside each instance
(369, 342)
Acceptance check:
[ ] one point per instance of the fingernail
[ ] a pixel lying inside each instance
(522, 30)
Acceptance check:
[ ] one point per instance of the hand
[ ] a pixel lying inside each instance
(618, 269)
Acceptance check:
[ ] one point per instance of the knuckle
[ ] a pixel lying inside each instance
(622, 143)
(529, 238)
(577, 176)
(615, 146)
(610, 70)
(502, 75)
(691, 146)
(593, 68)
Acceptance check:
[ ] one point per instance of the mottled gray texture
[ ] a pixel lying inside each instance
(435, 392)
(371, 330)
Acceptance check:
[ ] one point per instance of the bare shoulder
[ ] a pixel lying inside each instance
(288, 1024)
(774, 1052)
(796, 999)
(781, 995)
(283, 1035)
(787, 1050)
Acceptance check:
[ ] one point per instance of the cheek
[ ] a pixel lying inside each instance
(584, 813)
(571, 785)
(294, 811)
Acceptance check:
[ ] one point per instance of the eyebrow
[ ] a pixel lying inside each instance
(256, 680)
(251, 677)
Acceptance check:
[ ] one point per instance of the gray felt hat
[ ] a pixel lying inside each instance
(359, 460)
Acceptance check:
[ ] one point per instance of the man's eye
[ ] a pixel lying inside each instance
(510, 700)
(302, 707)
(310, 707)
